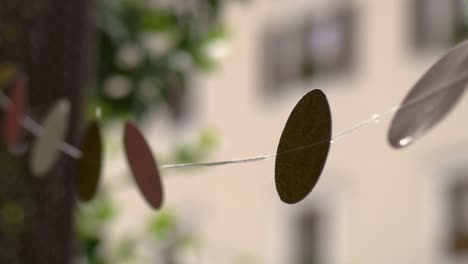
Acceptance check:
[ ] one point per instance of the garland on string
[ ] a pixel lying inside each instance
(308, 131)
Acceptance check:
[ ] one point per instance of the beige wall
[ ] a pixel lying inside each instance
(383, 205)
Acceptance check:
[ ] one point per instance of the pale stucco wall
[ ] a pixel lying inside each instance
(383, 204)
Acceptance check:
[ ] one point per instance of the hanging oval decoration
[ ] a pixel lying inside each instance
(303, 147)
(45, 150)
(143, 166)
(90, 164)
(14, 114)
(431, 98)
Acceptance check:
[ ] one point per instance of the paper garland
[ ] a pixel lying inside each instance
(302, 150)
(90, 165)
(432, 98)
(45, 150)
(14, 114)
(309, 123)
(143, 166)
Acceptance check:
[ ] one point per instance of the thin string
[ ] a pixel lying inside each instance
(374, 119)
(36, 129)
(218, 163)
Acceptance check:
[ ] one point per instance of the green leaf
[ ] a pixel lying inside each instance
(154, 21)
(12, 218)
(92, 217)
(162, 225)
(207, 139)
(126, 249)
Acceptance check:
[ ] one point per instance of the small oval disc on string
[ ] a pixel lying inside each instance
(14, 114)
(45, 150)
(143, 166)
(90, 164)
(303, 147)
(431, 98)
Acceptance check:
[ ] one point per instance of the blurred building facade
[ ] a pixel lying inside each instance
(373, 204)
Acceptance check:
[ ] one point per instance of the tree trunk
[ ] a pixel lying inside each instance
(48, 40)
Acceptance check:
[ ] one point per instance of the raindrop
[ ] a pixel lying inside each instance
(405, 141)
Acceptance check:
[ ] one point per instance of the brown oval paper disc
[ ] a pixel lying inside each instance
(143, 166)
(90, 164)
(431, 98)
(14, 114)
(297, 171)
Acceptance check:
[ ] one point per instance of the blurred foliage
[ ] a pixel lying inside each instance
(148, 52)
(91, 221)
(16, 203)
(12, 218)
(460, 23)
(162, 230)
(166, 231)
(196, 150)
(162, 226)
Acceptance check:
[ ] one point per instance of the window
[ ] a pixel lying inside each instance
(309, 237)
(438, 23)
(458, 209)
(299, 52)
(460, 31)
(329, 43)
(284, 58)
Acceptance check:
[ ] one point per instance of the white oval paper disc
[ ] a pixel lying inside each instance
(45, 150)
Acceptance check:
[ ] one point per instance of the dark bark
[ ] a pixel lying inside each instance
(48, 40)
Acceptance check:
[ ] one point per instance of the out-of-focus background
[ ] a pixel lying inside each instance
(214, 80)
